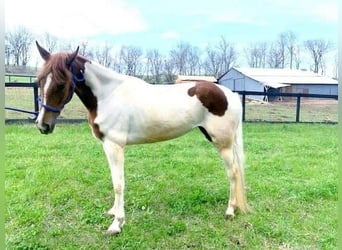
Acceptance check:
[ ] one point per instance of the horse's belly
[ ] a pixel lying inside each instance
(161, 126)
(156, 133)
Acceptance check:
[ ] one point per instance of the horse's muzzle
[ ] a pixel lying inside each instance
(45, 128)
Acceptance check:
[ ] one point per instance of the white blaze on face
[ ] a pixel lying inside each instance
(43, 93)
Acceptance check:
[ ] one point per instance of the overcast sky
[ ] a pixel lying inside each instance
(162, 24)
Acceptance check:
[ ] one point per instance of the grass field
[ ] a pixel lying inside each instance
(58, 188)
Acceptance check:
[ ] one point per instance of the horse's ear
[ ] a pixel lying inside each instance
(43, 52)
(72, 56)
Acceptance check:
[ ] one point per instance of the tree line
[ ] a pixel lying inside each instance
(285, 51)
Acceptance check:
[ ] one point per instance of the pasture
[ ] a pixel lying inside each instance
(58, 188)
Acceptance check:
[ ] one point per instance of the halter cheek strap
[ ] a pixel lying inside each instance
(48, 107)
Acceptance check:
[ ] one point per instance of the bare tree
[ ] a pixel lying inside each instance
(50, 42)
(212, 64)
(275, 56)
(169, 70)
(19, 41)
(85, 50)
(8, 51)
(103, 56)
(67, 46)
(193, 61)
(154, 65)
(256, 54)
(179, 57)
(25, 53)
(117, 64)
(220, 58)
(281, 44)
(297, 57)
(317, 49)
(130, 58)
(228, 55)
(290, 43)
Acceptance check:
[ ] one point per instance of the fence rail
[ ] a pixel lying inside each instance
(79, 113)
(13, 78)
(34, 87)
(298, 96)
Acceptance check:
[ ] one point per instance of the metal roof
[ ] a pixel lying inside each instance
(183, 78)
(277, 78)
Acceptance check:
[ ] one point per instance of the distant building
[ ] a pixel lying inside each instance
(183, 78)
(278, 81)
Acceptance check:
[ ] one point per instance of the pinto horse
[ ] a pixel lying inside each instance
(125, 110)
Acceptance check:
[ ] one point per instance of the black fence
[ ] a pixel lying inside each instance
(34, 88)
(280, 96)
(288, 108)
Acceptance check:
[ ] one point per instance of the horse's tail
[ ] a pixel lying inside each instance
(239, 161)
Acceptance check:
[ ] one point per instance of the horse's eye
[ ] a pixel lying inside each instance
(60, 86)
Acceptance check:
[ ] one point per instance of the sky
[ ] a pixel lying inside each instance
(163, 24)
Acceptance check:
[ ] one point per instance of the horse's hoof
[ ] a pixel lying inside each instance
(229, 216)
(112, 232)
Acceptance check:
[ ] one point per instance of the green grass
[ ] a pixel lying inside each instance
(58, 188)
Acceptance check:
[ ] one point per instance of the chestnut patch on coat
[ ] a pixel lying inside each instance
(94, 126)
(90, 101)
(211, 96)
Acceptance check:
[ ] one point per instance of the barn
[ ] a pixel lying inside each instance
(277, 80)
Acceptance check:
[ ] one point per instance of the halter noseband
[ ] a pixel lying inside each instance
(75, 80)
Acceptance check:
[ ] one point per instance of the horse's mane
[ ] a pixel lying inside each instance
(57, 65)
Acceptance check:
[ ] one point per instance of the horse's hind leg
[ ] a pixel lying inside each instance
(115, 157)
(237, 197)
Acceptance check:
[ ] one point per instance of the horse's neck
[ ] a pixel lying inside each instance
(87, 97)
(90, 102)
(101, 80)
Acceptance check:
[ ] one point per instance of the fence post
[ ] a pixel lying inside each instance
(243, 106)
(298, 109)
(35, 96)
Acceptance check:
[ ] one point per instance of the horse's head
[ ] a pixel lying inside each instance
(56, 87)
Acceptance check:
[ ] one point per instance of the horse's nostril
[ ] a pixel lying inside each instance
(45, 129)
(46, 126)
(44, 132)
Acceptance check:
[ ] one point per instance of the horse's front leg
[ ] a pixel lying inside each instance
(115, 157)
